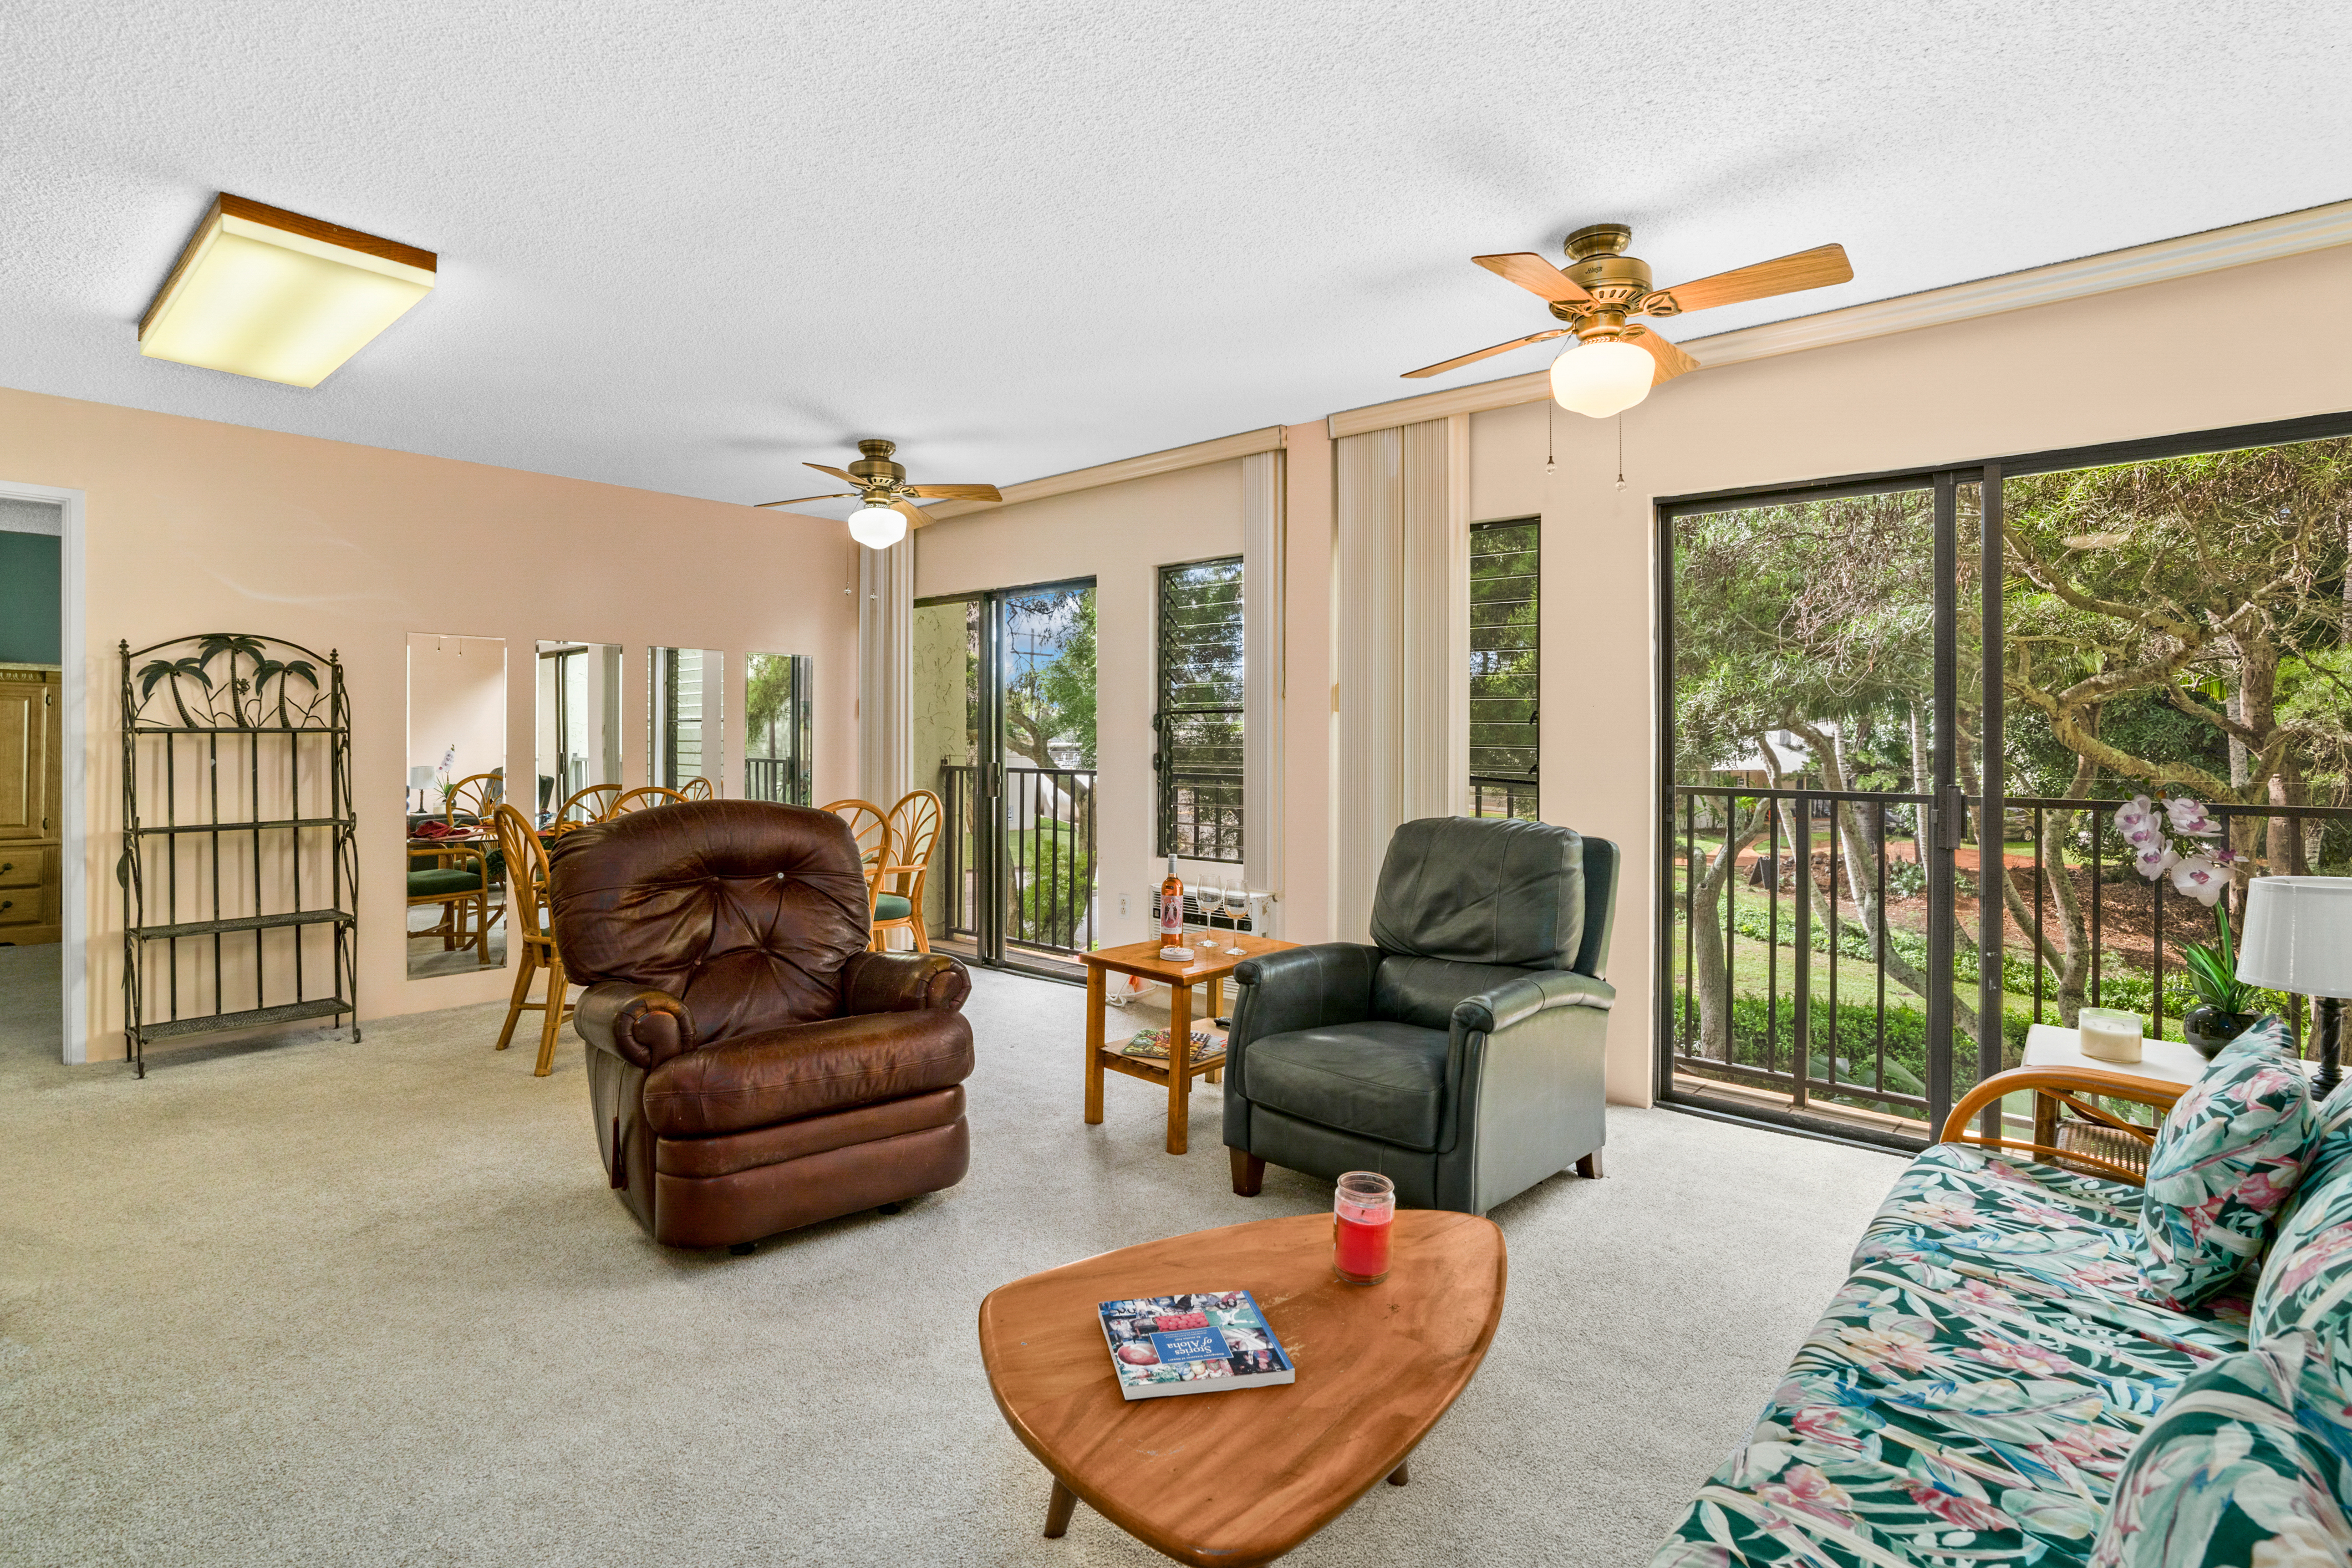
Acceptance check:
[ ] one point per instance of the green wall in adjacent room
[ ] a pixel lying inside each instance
(30, 598)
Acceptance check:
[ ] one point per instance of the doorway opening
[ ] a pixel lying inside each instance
(32, 779)
(1003, 712)
(1907, 722)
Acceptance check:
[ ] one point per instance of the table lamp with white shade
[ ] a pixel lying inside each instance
(2298, 939)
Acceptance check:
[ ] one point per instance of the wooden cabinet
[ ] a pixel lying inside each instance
(32, 768)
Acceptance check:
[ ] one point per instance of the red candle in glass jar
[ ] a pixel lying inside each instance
(1363, 1217)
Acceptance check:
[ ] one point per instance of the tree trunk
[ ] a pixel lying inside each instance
(1854, 843)
(2072, 955)
(1711, 985)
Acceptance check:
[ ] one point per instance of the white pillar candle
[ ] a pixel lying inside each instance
(2110, 1034)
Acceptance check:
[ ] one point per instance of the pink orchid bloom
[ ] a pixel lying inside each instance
(2189, 816)
(2132, 814)
(2200, 879)
(2155, 862)
(1960, 1512)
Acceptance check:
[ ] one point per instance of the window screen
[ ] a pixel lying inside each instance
(1504, 668)
(1199, 721)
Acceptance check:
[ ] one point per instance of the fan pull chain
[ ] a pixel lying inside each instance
(1551, 425)
(1620, 451)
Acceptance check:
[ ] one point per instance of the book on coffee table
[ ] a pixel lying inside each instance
(1152, 1045)
(1202, 1343)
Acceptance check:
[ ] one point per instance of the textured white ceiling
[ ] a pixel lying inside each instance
(686, 247)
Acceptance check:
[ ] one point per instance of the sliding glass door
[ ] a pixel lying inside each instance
(1004, 709)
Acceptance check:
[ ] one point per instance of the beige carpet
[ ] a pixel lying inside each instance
(371, 1304)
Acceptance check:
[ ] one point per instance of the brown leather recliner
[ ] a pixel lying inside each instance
(753, 1067)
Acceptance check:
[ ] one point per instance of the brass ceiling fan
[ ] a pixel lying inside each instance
(1616, 360)
(890, 508)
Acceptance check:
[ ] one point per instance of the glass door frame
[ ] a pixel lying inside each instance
(991, 849)
(1947, 816)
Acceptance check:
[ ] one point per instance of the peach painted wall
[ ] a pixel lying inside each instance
(194, 526)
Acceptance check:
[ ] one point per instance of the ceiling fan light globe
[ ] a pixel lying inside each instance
(880, 527)
(1602, 378)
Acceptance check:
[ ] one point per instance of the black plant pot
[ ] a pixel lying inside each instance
(2209, 1028)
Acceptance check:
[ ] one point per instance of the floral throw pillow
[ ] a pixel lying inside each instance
(2223, 1477)
(2228, 1155)
(2306, 1290)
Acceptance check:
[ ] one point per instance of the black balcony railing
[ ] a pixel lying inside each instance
(784, 780)
(1047, 818)
(1806, 970)
(1503, 797)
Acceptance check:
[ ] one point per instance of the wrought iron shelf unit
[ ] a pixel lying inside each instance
(218, 930)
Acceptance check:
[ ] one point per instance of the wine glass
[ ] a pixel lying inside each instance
(1213, 899)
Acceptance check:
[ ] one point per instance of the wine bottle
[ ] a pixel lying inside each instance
(1172, 908)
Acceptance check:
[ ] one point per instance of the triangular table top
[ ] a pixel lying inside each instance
(1239, 1477)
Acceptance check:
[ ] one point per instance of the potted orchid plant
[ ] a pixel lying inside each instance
(2225, 1004)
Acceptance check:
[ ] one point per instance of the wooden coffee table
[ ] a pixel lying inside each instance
(1143, 958)
(1238, 1478)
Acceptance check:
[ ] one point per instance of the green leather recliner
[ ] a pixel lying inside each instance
(1461, 1055)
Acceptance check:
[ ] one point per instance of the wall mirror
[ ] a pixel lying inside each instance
(577, 735)
(687, 734)
(456, 773)
(776, 727)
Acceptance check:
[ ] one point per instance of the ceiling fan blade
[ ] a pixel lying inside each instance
(1672, 361)
(836, 473)
(915, 516)
(1484, 353)
(1815, 269)
(1534, 274)
(796, 501)
(956, 492)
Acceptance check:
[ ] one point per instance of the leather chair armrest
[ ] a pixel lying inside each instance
(1303, 988)
(903, 982)
(637, 1024)
(1523, 998)
(807, 1069)
(1297, 988)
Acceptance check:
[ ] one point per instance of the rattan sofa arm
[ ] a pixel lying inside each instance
(2067, 1084)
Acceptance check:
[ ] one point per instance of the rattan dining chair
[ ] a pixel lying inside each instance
(471, 798)
(641, 798)
(586, 806)
(696, 789)
(526, 858)
(457, 877)
(898, 890)
(870, 826)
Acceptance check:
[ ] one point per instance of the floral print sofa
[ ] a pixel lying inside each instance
(1976, 1389)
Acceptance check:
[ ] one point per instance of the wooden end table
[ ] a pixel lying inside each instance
(1143, 958)
(1238, 1477)
(2049, 1046)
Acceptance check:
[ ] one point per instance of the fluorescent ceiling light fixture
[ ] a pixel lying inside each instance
(279, 297)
